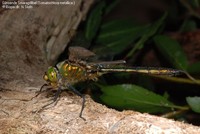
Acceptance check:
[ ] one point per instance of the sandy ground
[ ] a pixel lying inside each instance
(19, 114)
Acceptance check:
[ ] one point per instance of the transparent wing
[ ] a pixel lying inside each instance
(97, 66)
(79, 53)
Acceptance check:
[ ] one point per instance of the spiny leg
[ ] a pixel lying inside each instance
(83, 98)
(56, 96)
(40, 91)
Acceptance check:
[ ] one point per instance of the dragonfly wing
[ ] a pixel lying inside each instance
(77, 52)
(105, 64)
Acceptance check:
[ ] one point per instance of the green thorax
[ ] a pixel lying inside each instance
(74, 72)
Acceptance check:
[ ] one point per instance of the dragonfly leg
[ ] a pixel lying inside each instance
(40, 91)
(57, 94)
(83, 98)
(54, 99)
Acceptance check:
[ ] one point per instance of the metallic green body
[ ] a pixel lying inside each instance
(76, 69)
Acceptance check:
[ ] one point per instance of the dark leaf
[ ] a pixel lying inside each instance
(111, 6)
(194, 68)
(188, 26)
(172, 51)
(150, 31)
(194, 103)
(94, 21)
(129, 96)
(116, 36)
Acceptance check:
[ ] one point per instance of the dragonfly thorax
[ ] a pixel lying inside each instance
(74, 72)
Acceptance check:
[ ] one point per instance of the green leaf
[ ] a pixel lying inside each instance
(150, 31)
(115, 36)
(111, 6)
(172, 51)
(127, 96)
(117, 30)
(194, 103)
(194, 3)
(194, 68)
(188, 25)
(94, 21)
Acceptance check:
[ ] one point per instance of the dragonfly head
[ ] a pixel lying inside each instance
(51, 76)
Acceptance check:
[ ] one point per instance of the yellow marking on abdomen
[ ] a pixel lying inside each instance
(159, 71)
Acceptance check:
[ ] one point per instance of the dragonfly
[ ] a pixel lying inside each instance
(77, 68)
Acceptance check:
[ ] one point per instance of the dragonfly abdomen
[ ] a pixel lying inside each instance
(144, 70)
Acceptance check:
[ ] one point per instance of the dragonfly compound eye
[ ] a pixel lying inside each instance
(51, 74)
(45, 77)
